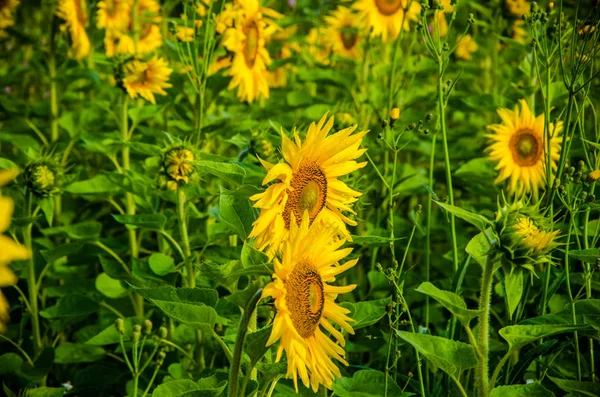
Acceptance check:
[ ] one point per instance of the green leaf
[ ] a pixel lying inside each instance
(253, 257)
(521, 335)
(71, 306)
(46, 392)
(528, 390)
(451, 301)
(62, 251)
(479, 246)
(110, 287)
(188, 388)
(450, 356)
(161, 264)
(231, 172)
(78, 231)
(236, 212)
(256, 343)
(513, 280)
(367, 383)
(47, 206)
(479, 221)
(373, 240)
(71, 353)
(101, 183)
(146, 221)
(479, 168)
(139, 114)
(576, 388)
(590, 255)
(110, 335)
(368, 312)
(201, 296)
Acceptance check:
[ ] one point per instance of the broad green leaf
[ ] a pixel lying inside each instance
(231, 172)
(252, 257)
(71, 353)
(146, 221)
(47, 206)
(161, 264)
(577, 388)
(368, 312)
(521, 335)
(451, 301)
(71, 306)
(144, 148)
(513, 280)
(450, 356)
(479, 221)
(110, 336)
(200, 296)
(528, 390)
(62, 251)
(479, 168)
(46, 392)
(256, 343)
(590, 255)
(367, 383)
(188, 388)
(78, 231)
(96, 185)
(141, 113)
(236, 212)
(110, 287)
(373, 240)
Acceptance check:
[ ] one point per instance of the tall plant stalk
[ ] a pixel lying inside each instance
(484, 327)
(31, 279)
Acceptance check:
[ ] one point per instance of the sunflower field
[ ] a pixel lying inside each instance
(262, 198)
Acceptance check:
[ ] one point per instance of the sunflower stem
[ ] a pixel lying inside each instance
(484, 327)
(31, 279)
(571, 300)
(236, 362)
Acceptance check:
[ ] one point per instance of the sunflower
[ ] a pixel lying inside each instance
(343, 33)
(518, 145)
(519, 34)
(384, 17)
(10, 249)
(466, 47)
(74, 13)
(532, 237)
(305, 301)
(318, 48)
(113, 14)
(184, 33)
(147, 78)
(307, 181)
(518, 8)
(7, 9)
(246, 39)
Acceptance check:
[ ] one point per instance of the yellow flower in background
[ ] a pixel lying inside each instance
(518, 148)
(318, 47)
(10, 250)
(519, 34)
(466, 47)
(177, 164)
(384, 17)
(518, 8)
(305, 303)
(185, 33)
(308, 181)
(113, 14)
(533, 237)
(147, 78)
(246, 39)
(441, 17)
(74, 13)
(7, 9)
(278, 77)
(343, 32)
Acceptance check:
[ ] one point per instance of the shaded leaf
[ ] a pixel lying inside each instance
(528, 390)
(479, 221)
(368, 312)
(451, 301)
(521, 335)
(70, 353)
(367, 383)
(577, 388)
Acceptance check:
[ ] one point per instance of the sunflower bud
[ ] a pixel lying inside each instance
(526, 236)
(177, 164)
(395, 114)
(593, 176)
(42, 177)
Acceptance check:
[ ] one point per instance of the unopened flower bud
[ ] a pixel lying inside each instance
(120, 326)
(428, 117)
(160, 357)
(41, 177)
(135, 335)
(163, 333)
(177, 164)
(147, 327)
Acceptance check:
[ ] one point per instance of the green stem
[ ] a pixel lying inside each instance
(484, 327)
(181, 200)
(53, 86)
(234, 371)
(135, 384)
(151, 380)
(249, 372)
(571, 300)
(32, 280)
(442, 117)
(460, 387)
(499, 368)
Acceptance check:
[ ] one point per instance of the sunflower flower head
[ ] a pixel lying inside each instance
(178, 163)
(384, 17)
(7, 10)
(113, 14)
(146, 78)
(43, 176)
(11, 250)
(526, 236)
(466, 47)
(307, 180)
(74, 13)
(518, 8)
(305, 303)
(343, 33)
(518, 145)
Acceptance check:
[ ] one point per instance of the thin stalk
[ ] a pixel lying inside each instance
(484, 327)
(53, 85)
(499, 368)
(571, 300)
(234, 371)
(460, 387)
(151, 381)
(428, 228)
(249, 372)
(442, 117)
(20, 349)
(32, 280)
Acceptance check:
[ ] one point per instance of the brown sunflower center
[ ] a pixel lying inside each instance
(349, 37)
(309, 193)
(526, 147)
(388, 7)
(305, 298)
(4, 4)
(251, 45)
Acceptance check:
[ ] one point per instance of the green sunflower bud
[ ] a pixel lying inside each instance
(526, 236)
(177, 164)
(42, 177)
